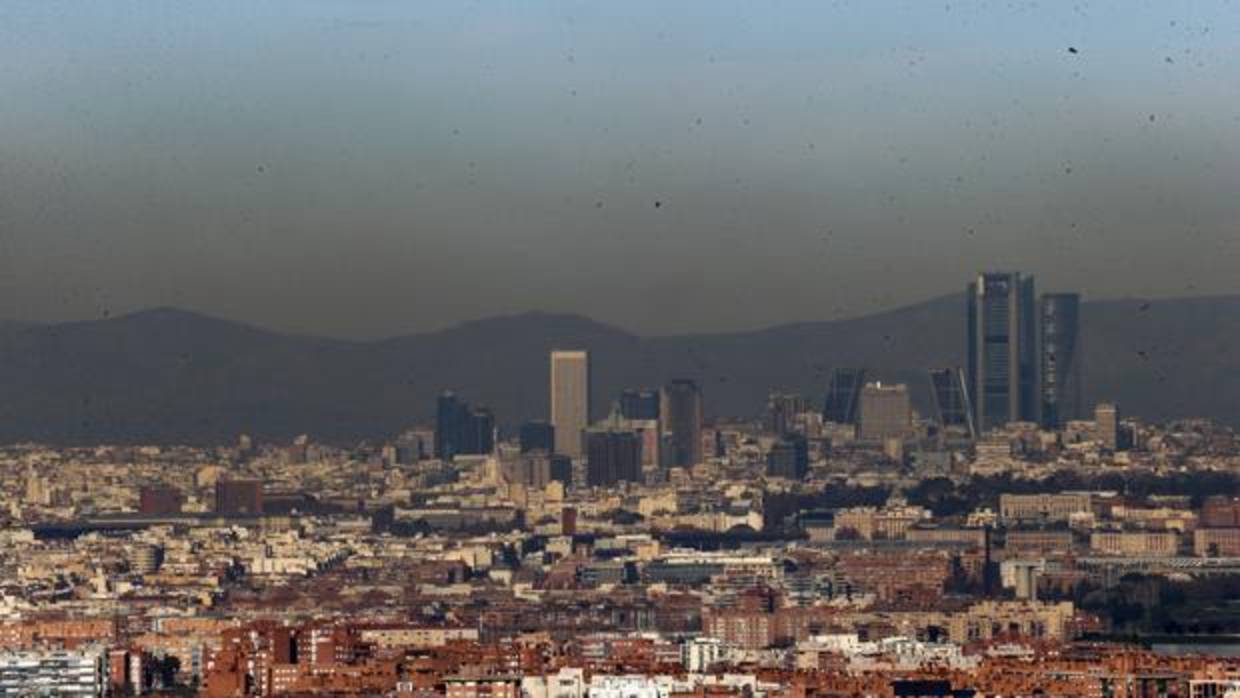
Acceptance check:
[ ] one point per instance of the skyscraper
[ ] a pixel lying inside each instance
(1106, 424)
(681, 410)
(1001, 348)
(450, 416)
(1059, 362)
(951, 400)
(479, 436)
(612, 456)
(537, 435)
(570, 399)
(460, 430)
(843, 395)
(643, 404)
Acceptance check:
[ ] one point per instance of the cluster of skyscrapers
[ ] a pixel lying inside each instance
(647, 432)
(1023, 364)
(461, 430)
(1024, 361)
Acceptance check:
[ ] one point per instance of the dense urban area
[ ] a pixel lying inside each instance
(1010, 541)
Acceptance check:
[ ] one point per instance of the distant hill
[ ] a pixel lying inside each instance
(168, 375)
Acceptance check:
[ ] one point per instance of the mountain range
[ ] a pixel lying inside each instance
(174, 376)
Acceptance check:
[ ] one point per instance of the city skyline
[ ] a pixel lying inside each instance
(564, 349)
(348, 390)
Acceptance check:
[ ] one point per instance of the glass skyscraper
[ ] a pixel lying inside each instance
(844, 395)
(1059, 363)
(681, 410)
(951, 400)
(1002, 352)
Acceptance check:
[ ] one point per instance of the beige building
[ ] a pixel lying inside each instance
(406, 636)
(570, 399)
(1043, 507)
(888, 523)
(1038, 541)
(885, 413)
(991, 619)
(973, 537)
(1135, 543)
(1217, 542)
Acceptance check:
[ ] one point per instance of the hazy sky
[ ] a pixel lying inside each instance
(373, 167)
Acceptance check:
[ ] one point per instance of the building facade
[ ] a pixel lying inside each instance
(1059, 363)
(570, 399)
(1001, 342)
(681, 408)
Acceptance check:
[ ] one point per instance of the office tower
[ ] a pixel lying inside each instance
(1001, 342)
(1059, 363)
(460, 430)
(681, 410)
(537, 435)
(951, 400)
(643, 404)
(781, 411)
(479, 434)
(612, 456)
(1106, 422)
(570, 399)
(843, 394)
(450, 416)
(788, 458)
(886, 413)
(160, 499)
(238, 497)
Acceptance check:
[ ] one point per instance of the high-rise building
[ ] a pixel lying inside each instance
(788, 458)
(570, 399)
(450, 416)
(886, 413)
(639, 404)
(843, 395)
(460, 430)
(1001, 347)
(1059, 362)
(537, 435)
(951, 400)
(781, 411)
(681, 410)
(1106, 423)
(612, 457)
(238, 497)
(479, 436)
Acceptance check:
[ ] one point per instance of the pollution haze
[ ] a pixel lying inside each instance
(365, 169)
